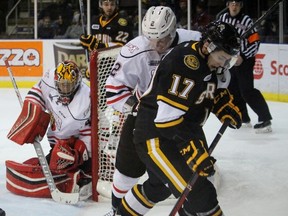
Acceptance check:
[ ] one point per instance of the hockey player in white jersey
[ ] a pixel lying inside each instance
(129, 79)
(63, 100)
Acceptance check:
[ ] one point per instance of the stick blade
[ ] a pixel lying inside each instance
(65, 198)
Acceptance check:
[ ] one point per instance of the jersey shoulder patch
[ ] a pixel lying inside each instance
(192, 62)
(122, 21)
(135, 47)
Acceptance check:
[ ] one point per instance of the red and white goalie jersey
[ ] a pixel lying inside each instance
(71, 120)
(134, 67)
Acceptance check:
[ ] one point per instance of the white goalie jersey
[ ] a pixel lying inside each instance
(66, 120)
(134, 67)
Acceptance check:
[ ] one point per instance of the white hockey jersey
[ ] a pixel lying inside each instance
(66, 120)
(134, 67)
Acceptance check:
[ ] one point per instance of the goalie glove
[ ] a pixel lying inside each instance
(224, 108)
(66, 156)
(197, 157)
(31, 123)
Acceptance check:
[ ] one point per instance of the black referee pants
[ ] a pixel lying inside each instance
(242, 88)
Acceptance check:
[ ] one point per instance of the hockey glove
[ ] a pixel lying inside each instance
(66, 156)
(197, 157)
(224, 108)
(89, 42)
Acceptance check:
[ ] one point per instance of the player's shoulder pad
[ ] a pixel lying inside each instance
(186, 35)
(137, 46)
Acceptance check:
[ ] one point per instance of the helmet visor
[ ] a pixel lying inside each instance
(222, 59)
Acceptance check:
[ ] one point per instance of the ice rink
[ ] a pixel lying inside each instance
(253, 169)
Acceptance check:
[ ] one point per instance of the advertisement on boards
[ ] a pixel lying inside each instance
(29, 59)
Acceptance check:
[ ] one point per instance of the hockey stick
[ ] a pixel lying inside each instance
(259, 20)
(81, 5)
(58, 196)
(195, 175)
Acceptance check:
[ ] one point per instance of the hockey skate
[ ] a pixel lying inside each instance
(246, 125)
(263, 127)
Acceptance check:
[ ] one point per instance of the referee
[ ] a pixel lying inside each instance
(242, 80)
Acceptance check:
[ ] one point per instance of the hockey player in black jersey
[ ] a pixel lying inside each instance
(168, 135)
(108, 29)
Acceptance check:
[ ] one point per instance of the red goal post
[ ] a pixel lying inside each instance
(105, 122)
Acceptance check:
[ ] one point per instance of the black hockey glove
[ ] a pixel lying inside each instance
(224, 108)
(89, 42)
(197, 157)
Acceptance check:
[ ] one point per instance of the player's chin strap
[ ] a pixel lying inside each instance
(57, 195)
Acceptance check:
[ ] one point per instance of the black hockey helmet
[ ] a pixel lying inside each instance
(222, 36)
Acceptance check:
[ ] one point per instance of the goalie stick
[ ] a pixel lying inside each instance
(57, 195)
(195, 175)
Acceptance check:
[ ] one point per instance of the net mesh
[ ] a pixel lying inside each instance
(107, 121)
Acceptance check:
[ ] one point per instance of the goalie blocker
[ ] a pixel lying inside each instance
(32, 122)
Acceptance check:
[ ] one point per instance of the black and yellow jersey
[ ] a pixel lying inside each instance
(117, 29)
(179, 98)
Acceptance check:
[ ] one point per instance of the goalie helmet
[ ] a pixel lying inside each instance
(222, 36)
(159, 22)
(67, 78)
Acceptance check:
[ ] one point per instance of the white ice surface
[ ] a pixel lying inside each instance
(253, 168)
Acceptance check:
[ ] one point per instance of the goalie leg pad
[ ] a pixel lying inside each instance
(32, 121)
(27, 179)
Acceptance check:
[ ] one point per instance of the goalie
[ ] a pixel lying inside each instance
(62, 100)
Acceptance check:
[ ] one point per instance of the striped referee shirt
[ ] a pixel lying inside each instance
(250, 44)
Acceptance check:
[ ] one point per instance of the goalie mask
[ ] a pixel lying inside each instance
(67, 80)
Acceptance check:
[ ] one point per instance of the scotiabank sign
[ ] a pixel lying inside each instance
(25, 57)
(271, 69)
(258, 67)
(281, 69)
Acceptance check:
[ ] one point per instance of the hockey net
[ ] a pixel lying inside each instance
(106, 123)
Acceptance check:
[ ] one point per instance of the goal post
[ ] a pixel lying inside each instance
(106, 123)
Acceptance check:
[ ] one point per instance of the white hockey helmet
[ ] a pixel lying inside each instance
(159, 22)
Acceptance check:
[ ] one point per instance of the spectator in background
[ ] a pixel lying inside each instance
(45, 29)
(181, 14)
(59, 26)
(201, 17)
(74, 30)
